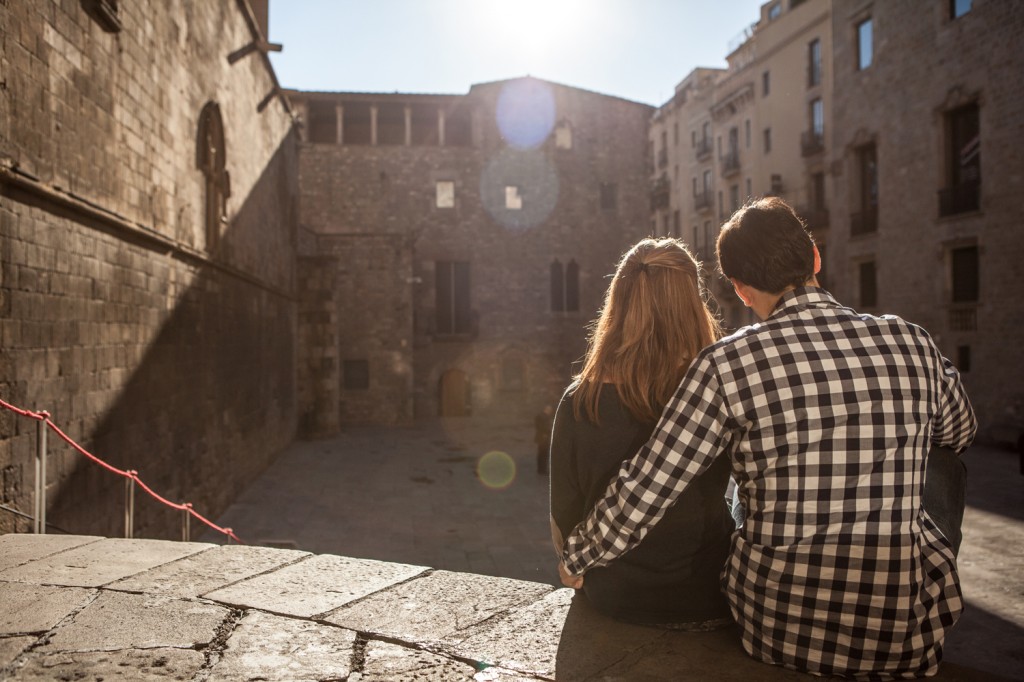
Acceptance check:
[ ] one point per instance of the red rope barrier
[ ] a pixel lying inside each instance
(45, 417)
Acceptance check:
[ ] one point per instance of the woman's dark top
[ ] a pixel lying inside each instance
(672, 576)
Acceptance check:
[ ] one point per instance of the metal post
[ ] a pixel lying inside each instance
(41, 445)
(186, 523)
(229, 531)
(129, 507)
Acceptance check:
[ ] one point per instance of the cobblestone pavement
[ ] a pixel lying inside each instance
(413, 495)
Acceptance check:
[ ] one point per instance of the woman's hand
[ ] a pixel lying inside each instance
(568, 579)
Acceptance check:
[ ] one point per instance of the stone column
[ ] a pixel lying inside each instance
(373, 125)
(339, 112)
(408, 126)
(440, 127)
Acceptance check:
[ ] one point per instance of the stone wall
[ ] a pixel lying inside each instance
(158, 344)
(926, 64)
(515, 351)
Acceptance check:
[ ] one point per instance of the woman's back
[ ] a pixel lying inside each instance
(673, 575)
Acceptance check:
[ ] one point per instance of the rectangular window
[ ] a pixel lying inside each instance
(708, 245)
(868, 284)
(750, 192)
(964, 262)
(864, 44)
(513, 200)
(774, 11)
(445, 194)
(356, 374)
(609, 196)
(767, 140)
(676, 229)
(746, 129)
(693, 138)
(958, 8)
(707, 182)
(817, 113)
(694, 186)
(675, 133)
(452, 298)
(776, 184)
(814, 63)
(818, 191)
(962, 192)
(963, 358)
(865, 219)
(734, 197)
(766, 83)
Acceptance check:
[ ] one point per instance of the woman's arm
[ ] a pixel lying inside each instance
(566, 497)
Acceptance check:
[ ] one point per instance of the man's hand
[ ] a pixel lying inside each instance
(568, 579)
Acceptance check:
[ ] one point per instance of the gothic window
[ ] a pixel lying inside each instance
(452, 289)
(210, 159)
(565, 287)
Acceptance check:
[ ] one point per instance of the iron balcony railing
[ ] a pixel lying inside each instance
(704, 147)
(864, 222)
(703, 201)
(730, 163)
(960, 198)
(662, 158)
(812, 142)
(659, 194)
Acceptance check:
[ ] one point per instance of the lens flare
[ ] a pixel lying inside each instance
(525, 113)
(519, 188)
(496, 470)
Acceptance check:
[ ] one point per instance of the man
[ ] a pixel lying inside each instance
(827, 417)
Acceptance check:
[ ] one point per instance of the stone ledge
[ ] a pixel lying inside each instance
(95, 608)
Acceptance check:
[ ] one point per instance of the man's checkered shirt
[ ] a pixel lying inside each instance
(827, 416)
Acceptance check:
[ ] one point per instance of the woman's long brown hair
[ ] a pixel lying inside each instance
(653, 323)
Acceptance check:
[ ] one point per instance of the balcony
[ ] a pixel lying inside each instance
(704, 147)
(659, 194)
(812, 142)
(816, 218)
(961, 198)
(703, 201)
(864, 222)
(730, 163)
(662, 158)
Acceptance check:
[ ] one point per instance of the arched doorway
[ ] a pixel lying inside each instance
(453, 394)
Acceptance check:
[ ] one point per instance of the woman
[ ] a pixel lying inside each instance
(653, 324)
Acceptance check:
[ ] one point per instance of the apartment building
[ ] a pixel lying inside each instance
(928, 169)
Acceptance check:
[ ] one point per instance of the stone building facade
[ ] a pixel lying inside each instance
(754, 129)
(929, 168)
(148, 203)
(466, 240)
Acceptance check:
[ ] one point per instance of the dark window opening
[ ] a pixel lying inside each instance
(958, 8)
(565, 287)
(963, 358)
(765, 83)
(452, 298)
(964, 262)
(865, 220)
(868, 285)
(391, 124)
(814, 63)
(357, 124)
(424, 125)
(458, 129)
(963, 162)
(105, 13)
(322, 127)
(609, 195)
(357, 375)
(676, 225)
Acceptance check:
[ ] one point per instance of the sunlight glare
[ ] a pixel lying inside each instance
(537, 28)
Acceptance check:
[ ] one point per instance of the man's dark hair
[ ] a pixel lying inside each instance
(765, 245)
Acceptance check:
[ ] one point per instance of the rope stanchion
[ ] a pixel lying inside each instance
(131, 479)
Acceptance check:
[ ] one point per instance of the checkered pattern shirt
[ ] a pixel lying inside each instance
(827, 416)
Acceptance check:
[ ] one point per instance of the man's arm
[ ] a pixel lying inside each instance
(692, 432)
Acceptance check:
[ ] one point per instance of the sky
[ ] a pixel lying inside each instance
(635, 49)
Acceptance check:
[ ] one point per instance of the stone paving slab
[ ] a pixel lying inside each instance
(37, 608)
(429, 609)
(131, 665)
(99, 563)
(208, 570)
(118, 620)
(267, 647)
(315, 585)
(17, 549)
(386, 662)
(11, 648)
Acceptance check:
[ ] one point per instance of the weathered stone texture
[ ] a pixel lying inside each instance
(155, 350)
(924, 65)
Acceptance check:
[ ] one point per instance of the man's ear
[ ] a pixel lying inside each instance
(817, 259)
(742, 290)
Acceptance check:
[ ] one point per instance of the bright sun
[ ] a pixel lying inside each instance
(536, 27)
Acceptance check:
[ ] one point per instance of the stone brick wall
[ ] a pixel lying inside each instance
(518, 352)
(149, 348)
(925, 64)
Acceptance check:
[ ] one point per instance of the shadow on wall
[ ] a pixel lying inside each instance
(213, 398)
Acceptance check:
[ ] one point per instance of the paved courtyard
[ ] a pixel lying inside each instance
(414, 495)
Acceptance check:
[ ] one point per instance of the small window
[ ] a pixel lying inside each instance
(563, 136)
(776, 184)
(962, 191)
(445, 194)
(746, 132)
(750, 191)
(864, 44)
(817, 115)
(357, 375)
(814, 63)
(867, 278)
(693, 138)
(865, 219)
(451, 286)
(767, 140)
(964, 263)
(734, 197)
(958, 8)
(676, 229)
(609, 195)
(774, 11)
(565, 287)
(765, 84)
(513, 200)
(675, 133)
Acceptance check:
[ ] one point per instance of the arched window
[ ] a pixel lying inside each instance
(210, 159)
(565, 287)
